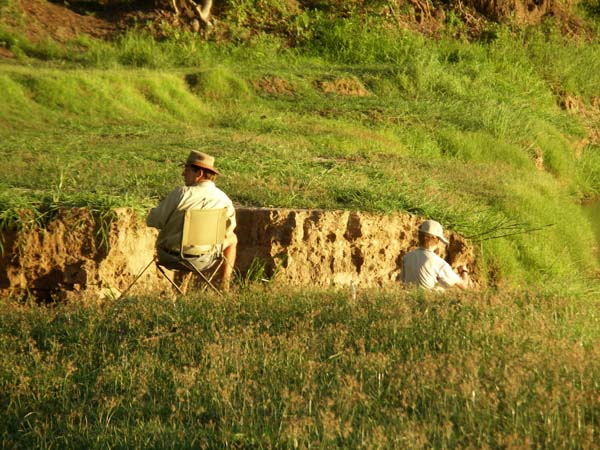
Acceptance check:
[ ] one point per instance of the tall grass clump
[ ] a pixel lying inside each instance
(550, 242)
(588, 175)
(309, 369)
(354, 41)
(24, 49)
(569, 66)
(140, 49)
(218, 83)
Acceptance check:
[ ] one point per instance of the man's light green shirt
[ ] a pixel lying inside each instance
(168, 215)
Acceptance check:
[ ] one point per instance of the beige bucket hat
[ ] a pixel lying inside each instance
(202, 160)
(433, 228)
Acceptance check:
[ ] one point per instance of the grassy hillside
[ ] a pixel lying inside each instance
(495, 137)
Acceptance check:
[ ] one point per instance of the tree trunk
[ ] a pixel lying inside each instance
(192, 10)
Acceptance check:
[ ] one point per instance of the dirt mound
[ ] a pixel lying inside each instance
(46, 19)
(520, 12)
(81, 253)
(344, 86)
(333, 248)
(274, 85)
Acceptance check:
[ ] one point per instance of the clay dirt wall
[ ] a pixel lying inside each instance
(78, 252)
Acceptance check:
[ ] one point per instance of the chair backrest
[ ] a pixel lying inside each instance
(203, 227)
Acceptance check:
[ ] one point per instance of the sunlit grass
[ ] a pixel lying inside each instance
(271, 369)
(372, 153)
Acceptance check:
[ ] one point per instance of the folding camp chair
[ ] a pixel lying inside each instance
(201, 249)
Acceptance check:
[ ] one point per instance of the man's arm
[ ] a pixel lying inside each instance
(231, 216)
(449, 278)
(157, 217)
(465, 281)
(402, 276)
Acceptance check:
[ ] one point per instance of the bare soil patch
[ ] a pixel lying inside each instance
(274, 85)
(48, 20)
(590, 113)
(344, 86)
(6, 53)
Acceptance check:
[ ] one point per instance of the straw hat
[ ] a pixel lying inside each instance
(202, 160)
(433, 228)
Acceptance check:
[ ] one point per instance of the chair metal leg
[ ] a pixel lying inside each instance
(208, 279)
(209, 283)
(170, 281)
(135, 280)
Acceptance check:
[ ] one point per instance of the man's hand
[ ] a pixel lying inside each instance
(465, 281)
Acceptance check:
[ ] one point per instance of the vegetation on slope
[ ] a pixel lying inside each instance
(496, 136)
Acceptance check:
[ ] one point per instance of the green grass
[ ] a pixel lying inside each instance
(81, 129)
(268, 369)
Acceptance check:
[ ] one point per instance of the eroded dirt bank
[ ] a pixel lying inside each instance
(78, 252)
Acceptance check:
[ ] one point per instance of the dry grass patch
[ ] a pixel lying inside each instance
(344, 86)
(274, 85)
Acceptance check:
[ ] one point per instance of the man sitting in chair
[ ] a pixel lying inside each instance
(199, 192)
